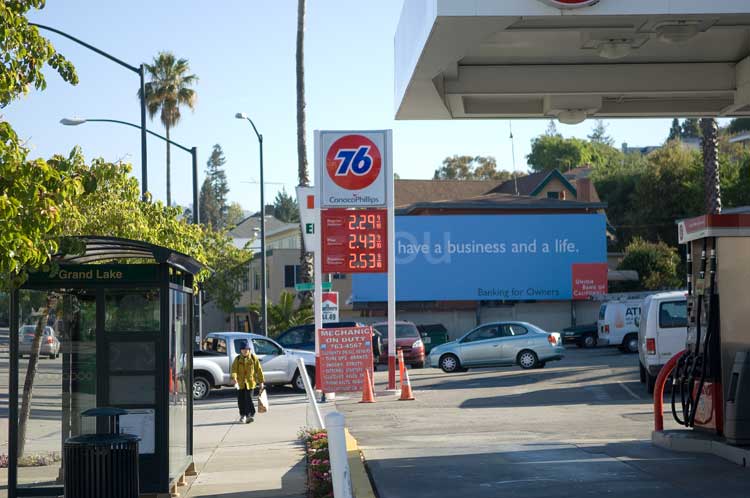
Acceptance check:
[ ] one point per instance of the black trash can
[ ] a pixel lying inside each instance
(102, 465)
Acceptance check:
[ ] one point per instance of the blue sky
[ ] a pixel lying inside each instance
(243, 53)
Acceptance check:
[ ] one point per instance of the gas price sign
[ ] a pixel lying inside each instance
(354, 241)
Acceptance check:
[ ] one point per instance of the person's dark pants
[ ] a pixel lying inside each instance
(245, 402)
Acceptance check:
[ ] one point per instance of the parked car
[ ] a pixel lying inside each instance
(212, 364)
(662, 333)
(49, 347)
(303, 337)
(618, 324)
(499, 344)
(584, 336)
(433, 335)
(408, 340)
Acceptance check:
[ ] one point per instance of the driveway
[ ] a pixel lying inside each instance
(580, 427)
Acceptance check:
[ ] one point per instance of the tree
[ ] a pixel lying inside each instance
(739, 125)
(675, 132)
(550, 152)
(690, 128)
(551, 130)
(599, 134)
(711, 181)
(306, 263)
(656, 264)
(167, 91)
(283, 314)
(210, 213)
(471, 168)
(33, 194)
(285, 207)
(235, 214)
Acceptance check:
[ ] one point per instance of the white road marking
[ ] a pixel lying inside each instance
(628, 390)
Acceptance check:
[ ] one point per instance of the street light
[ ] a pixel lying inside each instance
(263, 278)
(193, 151)
(141, 72)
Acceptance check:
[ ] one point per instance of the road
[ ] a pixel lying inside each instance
(580, 427)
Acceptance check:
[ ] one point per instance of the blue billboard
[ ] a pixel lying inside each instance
(493, 258)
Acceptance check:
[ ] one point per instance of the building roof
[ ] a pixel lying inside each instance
(495, 202)
(742, 137)
(412, 191)
(249, 227)
(533, 183)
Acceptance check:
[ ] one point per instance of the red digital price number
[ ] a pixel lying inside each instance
(354, 241)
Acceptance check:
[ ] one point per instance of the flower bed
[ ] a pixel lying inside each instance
(34, 460)
(319, 483)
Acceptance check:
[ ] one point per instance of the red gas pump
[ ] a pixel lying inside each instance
(711, 381)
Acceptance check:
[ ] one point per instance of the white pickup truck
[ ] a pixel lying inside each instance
(212, 363)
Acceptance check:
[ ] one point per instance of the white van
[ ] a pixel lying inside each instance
(618, 324)
(662, 333)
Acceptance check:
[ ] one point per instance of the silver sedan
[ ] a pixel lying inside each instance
(499, 344)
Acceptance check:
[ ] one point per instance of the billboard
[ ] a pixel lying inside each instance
(494, 258)
(345, 356)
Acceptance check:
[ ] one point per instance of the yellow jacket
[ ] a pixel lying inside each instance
(246, 370)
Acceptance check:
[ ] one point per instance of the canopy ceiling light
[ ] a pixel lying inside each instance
(615, 49)
(572, 116)
(677, 32)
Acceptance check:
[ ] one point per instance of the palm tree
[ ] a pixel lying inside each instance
(168, 90)
(712, 185)
(302, 172)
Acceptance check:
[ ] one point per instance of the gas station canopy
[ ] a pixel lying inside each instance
(545, 59)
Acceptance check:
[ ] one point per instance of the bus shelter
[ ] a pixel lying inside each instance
(113, 327)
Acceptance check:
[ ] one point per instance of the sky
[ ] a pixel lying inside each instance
(244, 55)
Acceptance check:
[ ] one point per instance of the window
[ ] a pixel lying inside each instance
(246, 280)
(291, 275)
(673, 314)
(516, 329)
(553, 195)
(215, 344)
(294, 337)
(484, 333)
(256, 280)
(264, 347)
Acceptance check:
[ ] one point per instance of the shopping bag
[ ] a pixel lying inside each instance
(263, 402)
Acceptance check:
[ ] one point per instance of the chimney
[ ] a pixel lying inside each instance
(583, 187)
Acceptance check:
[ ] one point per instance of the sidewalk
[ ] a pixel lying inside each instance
(261, 459)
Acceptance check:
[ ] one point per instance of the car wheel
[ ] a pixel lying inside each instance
(528, 359)
(201, 388)
(630, 344)
(589, 341)
(541, 364)
(449, 363)
(641, 372)
(299, 384)
(418, 365)
(52, 356)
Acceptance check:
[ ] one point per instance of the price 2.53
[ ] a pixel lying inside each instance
(366, 260)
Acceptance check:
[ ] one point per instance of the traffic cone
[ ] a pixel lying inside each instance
(406, 394)
(401, 366)
(367, 395)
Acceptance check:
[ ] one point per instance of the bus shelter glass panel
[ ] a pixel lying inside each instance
(57, 379)
(179, 380)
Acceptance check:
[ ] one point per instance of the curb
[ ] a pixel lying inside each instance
(361, 485)
(690, 442)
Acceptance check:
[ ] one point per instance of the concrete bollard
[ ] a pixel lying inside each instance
(342, 482)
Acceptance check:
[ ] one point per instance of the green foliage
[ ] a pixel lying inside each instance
(285, 207)
(739, 125)
(25, 53)
(235, 214)
(35, 197)
(213, 196)
(599, 134)
(656, 264)
(169, 88)
(283, 314)
(675, 131)
(690, 128)
(210, 213)
(471, 168)
(550, 152)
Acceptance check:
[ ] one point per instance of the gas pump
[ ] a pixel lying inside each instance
(711, 381)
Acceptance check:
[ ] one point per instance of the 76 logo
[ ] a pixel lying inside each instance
(358, 161)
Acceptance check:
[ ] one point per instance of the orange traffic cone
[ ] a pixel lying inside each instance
(401, 366)
(406, 394)
(367, 395)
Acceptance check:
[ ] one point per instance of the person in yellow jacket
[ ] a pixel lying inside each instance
(246, 375)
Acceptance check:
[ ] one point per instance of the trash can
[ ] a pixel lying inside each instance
(432, 335)
(104, 464)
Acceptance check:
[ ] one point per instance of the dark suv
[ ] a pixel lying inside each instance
(303, 336)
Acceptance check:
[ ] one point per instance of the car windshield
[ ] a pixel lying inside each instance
(403, 331)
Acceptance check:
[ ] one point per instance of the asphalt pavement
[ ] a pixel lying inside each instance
(580, 427)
